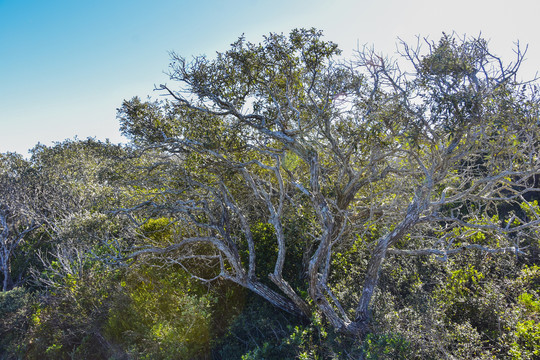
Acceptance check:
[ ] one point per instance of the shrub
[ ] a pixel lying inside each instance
(15, 309)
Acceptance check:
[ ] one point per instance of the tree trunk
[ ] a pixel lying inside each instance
(372, 278)
(363, 315)
(275, 299)
(6, 272)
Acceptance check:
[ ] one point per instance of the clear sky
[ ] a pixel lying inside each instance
(65, 66)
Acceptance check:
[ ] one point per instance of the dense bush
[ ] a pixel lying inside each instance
(158, 316)
(69, 318)
(15, 310)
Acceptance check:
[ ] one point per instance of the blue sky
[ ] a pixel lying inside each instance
(65, 66)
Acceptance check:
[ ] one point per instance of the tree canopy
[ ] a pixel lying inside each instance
(436, 159)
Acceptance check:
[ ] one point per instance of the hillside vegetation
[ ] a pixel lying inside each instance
(282, 202)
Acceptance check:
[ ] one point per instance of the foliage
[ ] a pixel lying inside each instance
(283, 202)
(70, 319)
(261, 332)
(525, 332)
(159, 316)
(385, 347)
(15, 307)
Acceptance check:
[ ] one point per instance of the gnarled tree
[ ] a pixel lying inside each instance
(438, 158)
(18, 218)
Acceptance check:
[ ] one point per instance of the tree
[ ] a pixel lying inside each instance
(50, 190)
(17, 211)
(435, 159)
